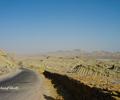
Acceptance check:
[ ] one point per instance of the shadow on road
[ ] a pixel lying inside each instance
(71, 89)
(48, 97)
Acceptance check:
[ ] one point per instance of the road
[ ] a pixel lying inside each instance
(23, 86)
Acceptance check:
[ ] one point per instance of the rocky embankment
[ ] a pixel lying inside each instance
(100, 70)
(71, 89)
(7, 64)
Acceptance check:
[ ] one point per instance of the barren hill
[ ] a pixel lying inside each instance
(7, 64)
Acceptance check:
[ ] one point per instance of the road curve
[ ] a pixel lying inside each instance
(23, 86)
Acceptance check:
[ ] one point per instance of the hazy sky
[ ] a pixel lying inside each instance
(33, 26)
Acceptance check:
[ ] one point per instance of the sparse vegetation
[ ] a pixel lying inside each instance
(6, 63)
(101, 75)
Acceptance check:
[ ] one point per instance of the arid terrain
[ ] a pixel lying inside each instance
(59, 49)
(71, 75)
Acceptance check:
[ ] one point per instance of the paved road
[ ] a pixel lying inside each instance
(23, 86)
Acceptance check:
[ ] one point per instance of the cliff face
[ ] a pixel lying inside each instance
(6, 63)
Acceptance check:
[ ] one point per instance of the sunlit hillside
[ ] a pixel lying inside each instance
(7, 63)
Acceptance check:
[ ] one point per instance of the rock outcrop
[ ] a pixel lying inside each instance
(6, 63)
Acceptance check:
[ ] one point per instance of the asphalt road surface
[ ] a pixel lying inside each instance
(23, 86)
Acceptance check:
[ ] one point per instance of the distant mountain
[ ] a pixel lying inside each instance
(106, 54)
(81, 53)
